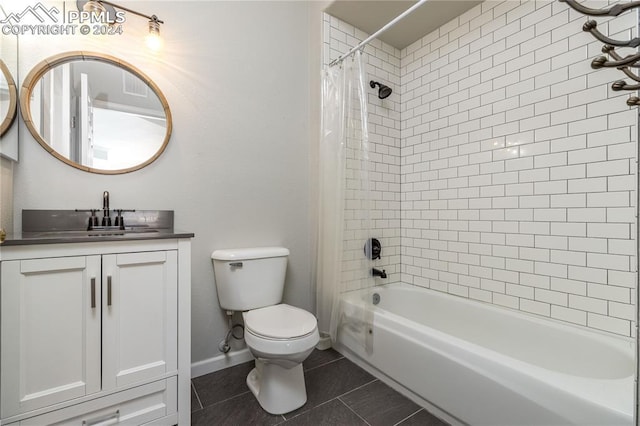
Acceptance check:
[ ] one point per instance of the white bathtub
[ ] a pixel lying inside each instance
(484, 365)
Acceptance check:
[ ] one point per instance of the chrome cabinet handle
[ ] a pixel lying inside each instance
(93, 293)
(109, 290)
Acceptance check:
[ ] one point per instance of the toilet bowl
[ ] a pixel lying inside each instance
(279, 336)
(283, 334)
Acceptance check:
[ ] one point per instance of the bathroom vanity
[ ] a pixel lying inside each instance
(95, 328)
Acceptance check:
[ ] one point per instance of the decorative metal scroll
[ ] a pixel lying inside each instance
(623, 63)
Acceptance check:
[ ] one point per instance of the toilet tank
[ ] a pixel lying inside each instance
(249, 278)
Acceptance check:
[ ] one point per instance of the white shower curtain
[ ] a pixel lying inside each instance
(345, 200)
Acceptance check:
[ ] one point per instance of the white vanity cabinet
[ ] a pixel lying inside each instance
(95, 333)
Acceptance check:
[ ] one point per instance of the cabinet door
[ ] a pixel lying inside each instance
(139, 330)
(50, 331)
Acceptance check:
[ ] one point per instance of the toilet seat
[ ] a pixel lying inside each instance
(280, 331)
(293, 350)
(279, 322)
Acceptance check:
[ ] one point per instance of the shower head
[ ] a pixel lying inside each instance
(383, 92)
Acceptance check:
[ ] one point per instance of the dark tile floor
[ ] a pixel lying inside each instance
(338, 393)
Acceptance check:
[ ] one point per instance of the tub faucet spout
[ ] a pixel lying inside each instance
(378, 273)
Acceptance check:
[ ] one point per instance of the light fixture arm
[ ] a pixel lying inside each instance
(153, 18)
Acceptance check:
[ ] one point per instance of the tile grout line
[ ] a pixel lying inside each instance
(336, 397)
(409, 416)
(307, 411)
(325, 364)
(197, 396)
(228, 399)
(356, 388)
(351, 409)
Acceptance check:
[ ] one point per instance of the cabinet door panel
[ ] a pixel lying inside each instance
(50, 332)
(140, 324)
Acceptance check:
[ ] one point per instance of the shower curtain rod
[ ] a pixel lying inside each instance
(377, 33)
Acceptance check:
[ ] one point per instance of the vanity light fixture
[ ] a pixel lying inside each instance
(153, 39)
(94, 7)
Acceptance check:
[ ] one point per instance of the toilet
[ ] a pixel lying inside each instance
(279, 336)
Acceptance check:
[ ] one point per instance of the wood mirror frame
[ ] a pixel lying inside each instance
(13, 99)
(44, 66)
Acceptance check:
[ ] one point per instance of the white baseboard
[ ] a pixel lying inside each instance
(220, 362)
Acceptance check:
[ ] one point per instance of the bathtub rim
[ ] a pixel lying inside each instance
(585, 388)
(621, 342)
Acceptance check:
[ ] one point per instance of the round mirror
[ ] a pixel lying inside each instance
(95, 112)
(8, 98)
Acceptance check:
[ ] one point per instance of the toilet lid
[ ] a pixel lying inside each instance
(279, 321)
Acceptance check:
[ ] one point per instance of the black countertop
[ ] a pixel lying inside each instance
(33, 238)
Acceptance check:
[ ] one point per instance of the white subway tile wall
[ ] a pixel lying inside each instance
(543, 220)
(516, 161)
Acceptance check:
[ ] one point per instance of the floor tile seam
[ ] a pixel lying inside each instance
(193, 387)
(282, 422)
(409, 416)
(309, 409)
(226, 399)
(358, 387)
(323, 365)
(353, 411)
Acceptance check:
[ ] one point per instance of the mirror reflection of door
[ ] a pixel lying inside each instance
(98, 115)
(51, 101)
(86, 122)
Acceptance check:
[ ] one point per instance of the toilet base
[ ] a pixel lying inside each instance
(278, 390)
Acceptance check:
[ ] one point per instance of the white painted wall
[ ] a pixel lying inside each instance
(6, 194)
(236, 171)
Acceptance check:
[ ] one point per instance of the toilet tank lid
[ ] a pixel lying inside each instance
(249, 253)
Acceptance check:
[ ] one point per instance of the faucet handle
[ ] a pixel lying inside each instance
(93, 220)
(119, 220)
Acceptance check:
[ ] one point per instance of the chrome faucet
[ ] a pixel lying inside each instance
(106, 219)
(378, 273)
